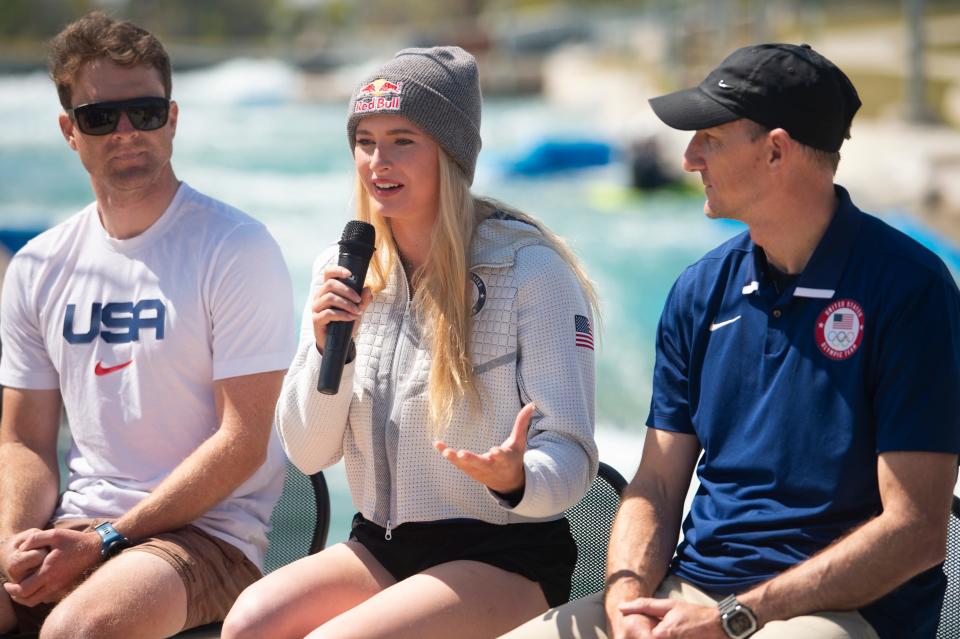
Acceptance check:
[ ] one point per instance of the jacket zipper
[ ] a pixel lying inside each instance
(401, 346)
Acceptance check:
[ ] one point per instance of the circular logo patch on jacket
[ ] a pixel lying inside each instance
(839, 329)
(479, 293)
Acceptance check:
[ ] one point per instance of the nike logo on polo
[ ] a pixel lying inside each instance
(717, 325)
(100, 370)
(723, 85)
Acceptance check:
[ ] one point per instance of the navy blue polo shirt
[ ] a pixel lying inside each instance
(793, 393)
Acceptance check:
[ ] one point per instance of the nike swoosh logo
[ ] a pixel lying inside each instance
(723, 85)
(102, 370)
(717, 325)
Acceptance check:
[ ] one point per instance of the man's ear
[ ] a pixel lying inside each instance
(69, 130)
(172, 117)
(780, 147)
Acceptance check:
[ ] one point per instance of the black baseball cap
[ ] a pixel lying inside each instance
(784, 86)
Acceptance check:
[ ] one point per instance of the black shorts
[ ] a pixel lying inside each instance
(542, 552)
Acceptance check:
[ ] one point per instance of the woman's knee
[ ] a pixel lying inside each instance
(250, 615)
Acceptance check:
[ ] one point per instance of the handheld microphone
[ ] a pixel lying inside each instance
(356, 249)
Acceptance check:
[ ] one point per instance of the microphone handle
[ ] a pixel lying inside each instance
(335, 350)
(336, 346)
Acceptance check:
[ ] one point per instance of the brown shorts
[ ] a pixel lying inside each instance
(214, 572)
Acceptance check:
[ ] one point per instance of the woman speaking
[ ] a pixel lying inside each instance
(465, 412)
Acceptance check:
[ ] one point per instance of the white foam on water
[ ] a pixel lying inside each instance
(242, 81)
(621, 447)
(26, 92)
(271, 194)
(29, 107)
(23, 214)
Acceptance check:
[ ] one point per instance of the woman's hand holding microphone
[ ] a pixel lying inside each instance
(334, 301)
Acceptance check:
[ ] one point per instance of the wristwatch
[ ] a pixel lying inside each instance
(737, 620)
(111, 541)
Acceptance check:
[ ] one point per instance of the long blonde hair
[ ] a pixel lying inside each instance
(442, 299)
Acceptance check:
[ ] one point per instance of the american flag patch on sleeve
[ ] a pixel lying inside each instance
(583, 335)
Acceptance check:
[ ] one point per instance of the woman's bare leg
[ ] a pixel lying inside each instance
(460, 599)
(292, 601)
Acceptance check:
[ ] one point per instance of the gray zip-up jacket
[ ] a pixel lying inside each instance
(528, 345)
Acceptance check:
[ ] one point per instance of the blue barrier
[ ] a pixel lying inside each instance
(552, 156)
(13, 239)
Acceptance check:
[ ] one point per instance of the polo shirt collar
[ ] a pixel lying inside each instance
(822, 273)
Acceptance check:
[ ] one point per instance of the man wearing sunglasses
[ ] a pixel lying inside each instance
(161, 321)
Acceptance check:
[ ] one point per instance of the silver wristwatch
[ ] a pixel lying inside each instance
(737, 620)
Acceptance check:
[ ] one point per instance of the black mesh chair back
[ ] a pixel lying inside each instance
(950, 613)
(301, 519)
(590, 523)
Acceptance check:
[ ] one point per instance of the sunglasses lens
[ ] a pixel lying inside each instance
(145, 114)
(97, 120)
(148, 115)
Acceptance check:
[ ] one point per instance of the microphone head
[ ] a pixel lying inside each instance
(359, 232)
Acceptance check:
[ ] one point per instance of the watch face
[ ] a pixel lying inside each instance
(739, 623)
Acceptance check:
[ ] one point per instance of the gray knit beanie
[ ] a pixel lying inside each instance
(438, 89)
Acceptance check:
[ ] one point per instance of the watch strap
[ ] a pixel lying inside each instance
(111, 540)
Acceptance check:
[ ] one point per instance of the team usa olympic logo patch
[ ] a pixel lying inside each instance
(839, 329)
(479, 293)
(379, 95)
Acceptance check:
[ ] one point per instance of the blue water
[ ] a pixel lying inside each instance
(244, 138)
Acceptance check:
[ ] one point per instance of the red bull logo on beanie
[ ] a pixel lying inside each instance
(379, 95)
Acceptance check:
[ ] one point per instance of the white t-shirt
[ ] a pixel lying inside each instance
(134, 332)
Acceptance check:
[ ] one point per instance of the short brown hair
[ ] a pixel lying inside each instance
(824, 159)
(95, 36)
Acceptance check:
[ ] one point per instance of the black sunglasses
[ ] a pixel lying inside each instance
(101, 118)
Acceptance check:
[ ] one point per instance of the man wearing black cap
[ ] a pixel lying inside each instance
(814, 360)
